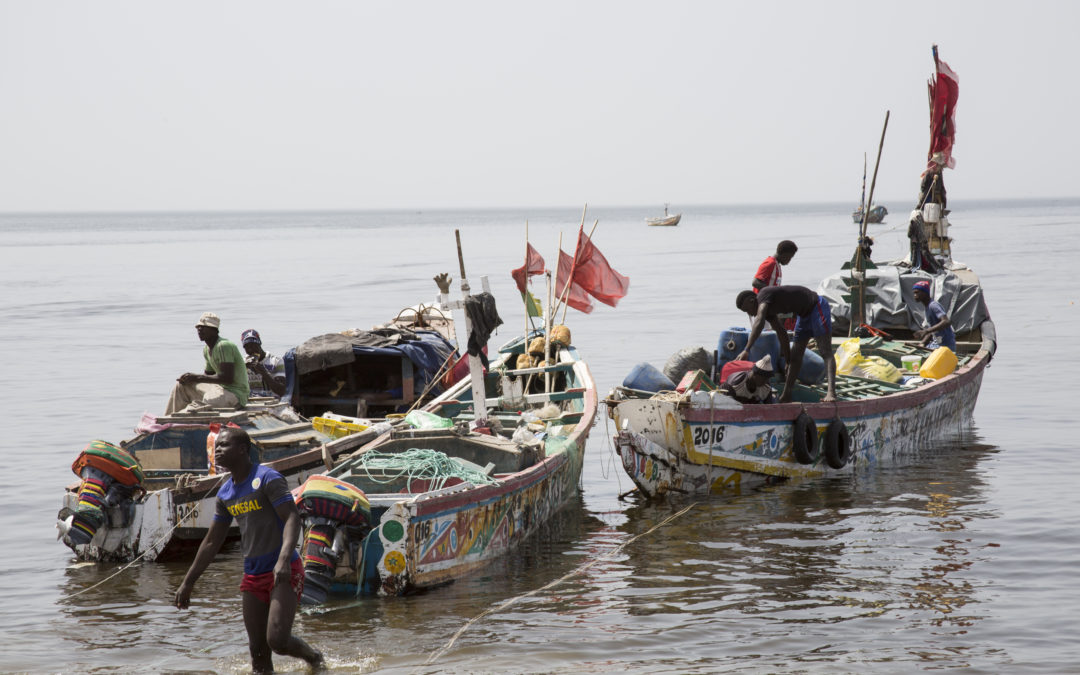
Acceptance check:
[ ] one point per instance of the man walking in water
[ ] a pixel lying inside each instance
(259, 499)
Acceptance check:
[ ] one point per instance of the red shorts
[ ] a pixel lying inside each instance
(260, 585)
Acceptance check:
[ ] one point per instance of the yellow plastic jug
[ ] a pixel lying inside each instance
(940, 363)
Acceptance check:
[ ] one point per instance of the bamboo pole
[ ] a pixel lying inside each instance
(525, 335)
(859, 315)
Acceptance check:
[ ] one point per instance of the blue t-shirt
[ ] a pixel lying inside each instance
(946, 337)
(252, 504)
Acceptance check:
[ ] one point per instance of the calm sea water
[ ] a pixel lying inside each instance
(965, 559)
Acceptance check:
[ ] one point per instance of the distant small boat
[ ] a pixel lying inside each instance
(876, 215)
(666, 220)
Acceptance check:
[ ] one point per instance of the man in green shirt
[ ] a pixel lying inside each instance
(224, 384)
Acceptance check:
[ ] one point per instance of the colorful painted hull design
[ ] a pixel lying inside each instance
(672, 446)
(433, 537)
(427, 542)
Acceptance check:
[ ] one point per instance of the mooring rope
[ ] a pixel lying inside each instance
(142, 555)
(577, 570)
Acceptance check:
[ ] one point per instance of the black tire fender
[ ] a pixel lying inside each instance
(837, 444)
(804, 439)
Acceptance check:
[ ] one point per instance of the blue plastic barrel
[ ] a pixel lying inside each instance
(767, 343)
(812, 369)
(732, 341)
(645, 377)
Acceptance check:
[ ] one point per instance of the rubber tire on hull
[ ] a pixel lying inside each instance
(804, 439)
(837, 444)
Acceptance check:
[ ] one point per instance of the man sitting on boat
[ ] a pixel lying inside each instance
(224, 383)
(752, 386)
(813, 320)
(938, 330)
(265, 372)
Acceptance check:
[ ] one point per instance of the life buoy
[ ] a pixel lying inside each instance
(805, 439)
(837, 444)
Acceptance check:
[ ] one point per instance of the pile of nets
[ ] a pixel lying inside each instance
(417, 464)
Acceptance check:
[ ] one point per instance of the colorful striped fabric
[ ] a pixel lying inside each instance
(116, 462)
(334, 499)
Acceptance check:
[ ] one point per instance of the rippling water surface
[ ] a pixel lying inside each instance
(964, 558)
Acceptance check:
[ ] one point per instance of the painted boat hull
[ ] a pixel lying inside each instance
(668, 447)
(432, 538)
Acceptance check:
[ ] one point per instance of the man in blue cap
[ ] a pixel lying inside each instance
(266, 372)
(937, 330)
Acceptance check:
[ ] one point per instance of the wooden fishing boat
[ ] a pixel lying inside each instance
(695, 439)
(152, 496)
(483, 467)
(875, 215)
(666, 220)
(447, 500)
(704, 441)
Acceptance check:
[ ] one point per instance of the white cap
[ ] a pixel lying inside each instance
(764, 364)
(209, 319)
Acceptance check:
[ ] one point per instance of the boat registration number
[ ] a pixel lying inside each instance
(703, 435)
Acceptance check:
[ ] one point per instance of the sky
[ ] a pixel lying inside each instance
(267, 105)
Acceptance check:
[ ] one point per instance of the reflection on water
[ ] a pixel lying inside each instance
(786, 561)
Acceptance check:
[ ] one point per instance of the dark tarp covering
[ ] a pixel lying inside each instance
(895, 307)
(427, 350)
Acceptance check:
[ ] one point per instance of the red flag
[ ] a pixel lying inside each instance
(534, 264)
(593, 273)
(578, 298)
(944, 92)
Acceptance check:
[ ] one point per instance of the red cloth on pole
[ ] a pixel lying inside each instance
(593, 273)
(534, 264)
(944, 92)
(578, 298)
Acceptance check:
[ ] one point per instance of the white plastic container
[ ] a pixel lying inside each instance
(931, 212)
(911, 363)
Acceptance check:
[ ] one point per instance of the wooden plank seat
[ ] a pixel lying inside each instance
(540, 370)
(569, 394)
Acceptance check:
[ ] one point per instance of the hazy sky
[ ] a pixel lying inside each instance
(362, 105)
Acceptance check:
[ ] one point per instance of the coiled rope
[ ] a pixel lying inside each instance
(436, 467)
(578, 570)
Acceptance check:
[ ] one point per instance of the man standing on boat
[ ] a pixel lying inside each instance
(223, 384)
(813, 319)
(266, 372)
(939, 331)
(259, 499)
(769, 272)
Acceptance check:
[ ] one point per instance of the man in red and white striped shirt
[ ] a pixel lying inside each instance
(769, 272)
